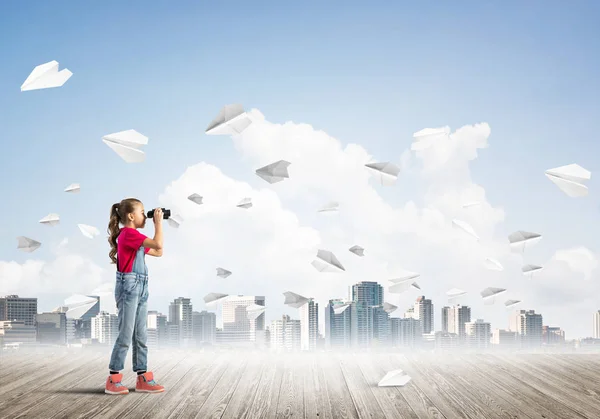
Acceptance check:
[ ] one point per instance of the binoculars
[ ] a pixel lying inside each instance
(166, 213)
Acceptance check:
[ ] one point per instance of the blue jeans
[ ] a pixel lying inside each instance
(131, 294)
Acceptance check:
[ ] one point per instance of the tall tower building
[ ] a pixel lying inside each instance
(204, 327)
(458, 316)
(180, 314)
(367, 292)
(478, 334)
(445, 314)
(423, 311)
(309, 325)
(105, 327)
(337, 325)
(529, 326)
(596, 330)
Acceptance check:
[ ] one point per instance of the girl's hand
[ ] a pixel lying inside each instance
(158, 215)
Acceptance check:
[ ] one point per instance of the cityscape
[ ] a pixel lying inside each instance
(362, 322)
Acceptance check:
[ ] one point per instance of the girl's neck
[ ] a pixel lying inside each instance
(129, 226)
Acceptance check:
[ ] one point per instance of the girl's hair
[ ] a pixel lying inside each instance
(118, 214)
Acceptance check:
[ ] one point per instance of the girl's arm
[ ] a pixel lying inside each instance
(156, 243)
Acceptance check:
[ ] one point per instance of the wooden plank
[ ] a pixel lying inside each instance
(467, 379)
(241, 400)
(316, 403)
(492, 368)
(362, 396)
(291, 395)
(395, 401)
(548, 384)
(216, 402)
(341, 403)
(264, 403)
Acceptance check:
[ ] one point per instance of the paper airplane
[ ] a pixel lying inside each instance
(127, 145)
(223, 273)
(195, 198)
(511, 303)
(46, 76)
(330, 207)
(520, 239)
(73, 188)
(254, 310)
(570, 179)
(77, 305)
(214, 297)
(231, 120)
(489, 294)
(245, 203)
(462, 225)
(396, 378)
(175, 220)
(27, 245)
(402, 285)
(327, 262)
(294, 300)
(403, 274)
(386, 172)
(529, 270)
(455, 293)
(389, 308)
(493, 264)
(357, 250)
(274, 172)
(471, 204)
(427, 137)
(50, 219)
(88, 231)
(340, 308)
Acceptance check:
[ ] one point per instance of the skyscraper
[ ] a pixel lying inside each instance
(180, 314)
(424, 311)
(337, 326)
(309, 325)
(528, 325)
(13, 307)
(478, 334)
(596, 330)
(368, 292)
(237, 327)
(204, 327)
(458, 316)
(445, 314)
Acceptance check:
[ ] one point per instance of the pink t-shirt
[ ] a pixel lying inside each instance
(128, 243)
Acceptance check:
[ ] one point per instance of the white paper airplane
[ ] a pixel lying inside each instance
(73, 188)
(294, 300)
(214, 297)
(489, 294)
(493, 264)
(462, 225)
(471, 204)
(340, 308)
(455, 293)
(254, 310)
(46, 76)
(330, 207)
(511, 303)
(245, 203)
(231, 120)
(88, 231)
(327, 262)
(521, 239)
(396, 378)
(27, 245)
(274, 172)
(427, 137)
(389, 308)
(357, 250)
(127, 145)
(175, 220)
(50, 219)
(570, 179)
(386, 172)
(403, 274)
(402, 285)
(530, 270)
(195, 198)
(76, 305)
(223, 273)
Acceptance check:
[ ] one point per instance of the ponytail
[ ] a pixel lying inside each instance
(113, 231)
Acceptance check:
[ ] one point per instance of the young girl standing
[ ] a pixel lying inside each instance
(131, 291)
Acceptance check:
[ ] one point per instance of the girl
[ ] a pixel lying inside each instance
(131, 291)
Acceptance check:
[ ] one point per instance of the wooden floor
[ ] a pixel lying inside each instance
(319, 385)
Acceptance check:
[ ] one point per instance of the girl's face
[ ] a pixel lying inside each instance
(138, 216)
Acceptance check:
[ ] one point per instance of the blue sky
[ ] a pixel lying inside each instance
(368, 75)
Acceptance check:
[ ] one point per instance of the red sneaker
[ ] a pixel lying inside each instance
(146, 384)
(114, 385)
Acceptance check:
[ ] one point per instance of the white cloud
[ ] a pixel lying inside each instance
(269, 247)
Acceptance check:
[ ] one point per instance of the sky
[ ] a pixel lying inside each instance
(330, 89)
